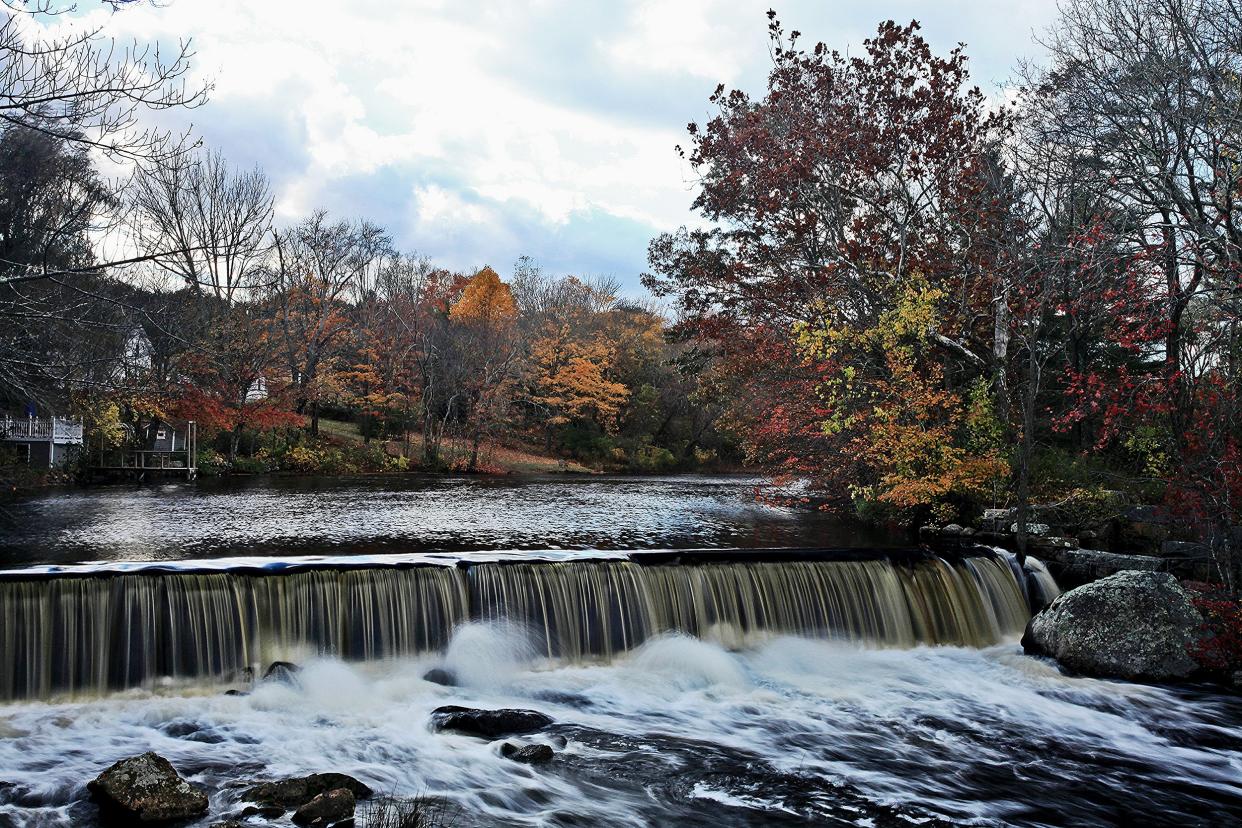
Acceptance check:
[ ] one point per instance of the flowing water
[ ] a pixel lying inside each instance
(688, 686)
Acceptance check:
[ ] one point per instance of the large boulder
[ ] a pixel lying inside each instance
(489, 724)
(1133, 625)
(147, 789)
(299, 790)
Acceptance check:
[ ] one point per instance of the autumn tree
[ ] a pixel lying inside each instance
(484, 319)
(567, 378)
(1145, 92)
(854, 184)
(314, 267)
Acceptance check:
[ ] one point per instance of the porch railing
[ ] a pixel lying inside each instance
(54, 429)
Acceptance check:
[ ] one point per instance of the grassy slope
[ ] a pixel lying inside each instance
(525, 459)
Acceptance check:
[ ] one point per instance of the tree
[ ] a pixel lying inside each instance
(214, 222)
(51, 201)
(80, 94)
(317, 264)
(484, 318)
(86, 90)
(1146, 93)
(567, 379)
(853, 185)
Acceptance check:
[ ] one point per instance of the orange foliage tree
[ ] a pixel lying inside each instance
(484, 320)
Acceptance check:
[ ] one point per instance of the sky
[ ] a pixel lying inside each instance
(478, 132)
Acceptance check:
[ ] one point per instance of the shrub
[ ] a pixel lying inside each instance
(1221, 648)
(211, 462)
(259, 464)
(650, 458)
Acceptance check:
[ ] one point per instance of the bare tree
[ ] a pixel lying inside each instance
(208, 224)
(87, 89)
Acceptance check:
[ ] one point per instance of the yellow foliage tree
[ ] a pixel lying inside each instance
(485, 300)
(568, 378)
(922, 442)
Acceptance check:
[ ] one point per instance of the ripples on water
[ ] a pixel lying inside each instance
(274, 516)
(683, 732)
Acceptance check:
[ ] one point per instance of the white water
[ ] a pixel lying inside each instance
(679, 731)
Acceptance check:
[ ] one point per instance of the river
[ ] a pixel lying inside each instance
(364, 515)
(814, 701)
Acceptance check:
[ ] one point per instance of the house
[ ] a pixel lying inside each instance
(46, 441)
(163, 447)
(166, 435)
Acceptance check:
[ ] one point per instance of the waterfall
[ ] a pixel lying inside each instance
(73, 633)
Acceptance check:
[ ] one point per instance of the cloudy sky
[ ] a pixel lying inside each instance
(481, 131)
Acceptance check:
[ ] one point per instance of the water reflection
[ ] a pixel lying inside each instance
(408, 514)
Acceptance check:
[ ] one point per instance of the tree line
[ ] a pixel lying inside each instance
(171, 291)
(928, 302)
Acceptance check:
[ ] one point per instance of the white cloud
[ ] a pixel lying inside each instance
(513, 121)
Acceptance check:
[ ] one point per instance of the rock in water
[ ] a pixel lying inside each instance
(527, 755)
(146, 788)
(328, 808)
(489, 724)
(1131, 625)
(282, 671)
(438, 675)
(299, 790)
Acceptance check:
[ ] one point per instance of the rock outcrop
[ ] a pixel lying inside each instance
(488, 724)
(146, 789)
(282, 671)
(1133, 625)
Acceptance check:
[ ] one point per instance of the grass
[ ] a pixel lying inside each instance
(403, 812)
(526, 461)
(518, 459)
(340, 429)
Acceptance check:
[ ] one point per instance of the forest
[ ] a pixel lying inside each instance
(262, 332)
(921, 299)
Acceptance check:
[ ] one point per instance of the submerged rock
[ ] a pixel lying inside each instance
(489, 724)
(438, 675)
(527, 754)
(297, 791)
(328, 808)
(1131, 625)
(146, 788)
(270, 811)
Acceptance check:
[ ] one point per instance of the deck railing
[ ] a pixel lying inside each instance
(54, 429)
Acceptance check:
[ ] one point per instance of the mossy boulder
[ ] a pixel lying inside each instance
(1134, 625)
(145, 789)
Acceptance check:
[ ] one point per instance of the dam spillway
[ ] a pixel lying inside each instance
(103, 627)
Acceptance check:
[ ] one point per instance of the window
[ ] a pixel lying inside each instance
(161, 434)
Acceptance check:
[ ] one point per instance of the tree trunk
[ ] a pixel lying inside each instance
(1026, 450)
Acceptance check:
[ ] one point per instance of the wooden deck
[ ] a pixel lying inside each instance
(141, 465)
